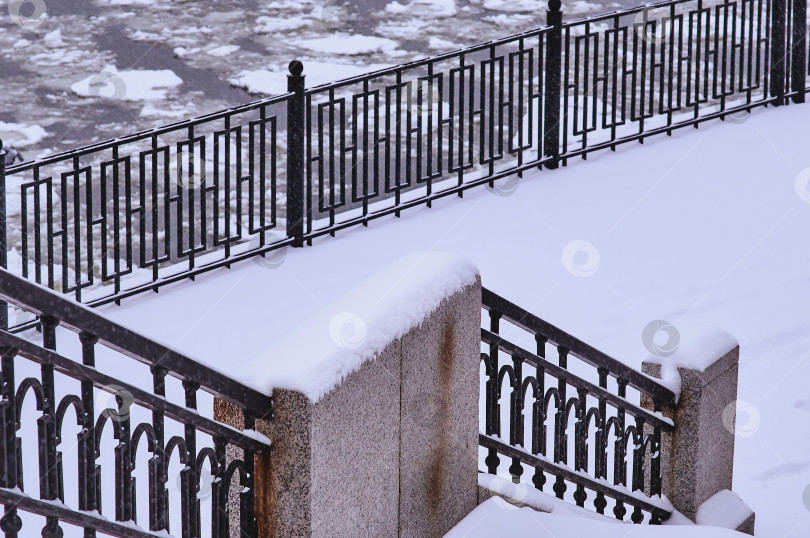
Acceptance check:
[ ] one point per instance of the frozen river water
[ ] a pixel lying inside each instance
(212, 48)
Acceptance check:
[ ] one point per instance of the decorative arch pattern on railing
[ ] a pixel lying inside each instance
(599, 411)
(228, 452)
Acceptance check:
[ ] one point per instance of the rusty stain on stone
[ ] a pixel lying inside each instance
(438, 463)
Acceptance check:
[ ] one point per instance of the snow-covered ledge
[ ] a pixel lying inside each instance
(375, 427)
(698, 457)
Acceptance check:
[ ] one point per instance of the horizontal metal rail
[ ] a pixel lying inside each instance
(81, 319)
(577, 478)
(59, 511)
(78, 371)
(575, 381)
(583, 351)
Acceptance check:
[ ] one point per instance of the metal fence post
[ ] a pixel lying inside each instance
(551, 106)
(798, 48)
(778, 49)
(3, 238)
(296, 150)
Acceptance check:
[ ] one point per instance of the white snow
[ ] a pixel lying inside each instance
(349, 44)
(273, 81)
(53, 39)
(21, 135)
(723, 509)
(223, 50)
(494, 518)
(525, 494)
(701, 228)
(315, 356)
(129, 84)
(696, 348)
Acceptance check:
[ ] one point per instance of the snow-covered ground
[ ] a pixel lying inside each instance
(708, 227)
(496, 518)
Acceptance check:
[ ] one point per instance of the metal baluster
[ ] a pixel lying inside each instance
(88, 470)
(638, 466)
(246, 497)
(191, 506)
(553, 73)
(619, 465)
(516, 418)
(493, 426)
(158, 466)
(655, 465)
(10, 523)
(220, 524)
(50, 462)
(539, 427)
(581, 444)
(124, 482)
(600, 453)
(3, 233)
(560, 436)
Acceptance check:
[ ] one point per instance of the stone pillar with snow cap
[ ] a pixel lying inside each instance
(701, 367)
(375, 426)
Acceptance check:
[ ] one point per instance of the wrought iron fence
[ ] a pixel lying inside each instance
(129, 215)
(128, 431)
(532, 427)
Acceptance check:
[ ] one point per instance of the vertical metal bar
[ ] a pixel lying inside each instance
(551, 119)
(220, 524)
(159, 495)
(50, 468)
(247, 515)
(619, 466)
(192, 504)
(492, 407)
(778, 31)
(10, 523)
(516, 417)
(87, 449)
(600, 452)
(3, 237)
(296, 115)
(538, 426)
(798, 47)
(560, 423)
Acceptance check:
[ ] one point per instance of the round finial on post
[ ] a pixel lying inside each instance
(554, 5)
(296, 68)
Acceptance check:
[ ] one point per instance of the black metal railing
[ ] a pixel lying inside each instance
(129, 215)
(531, 428)
(122, 418)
